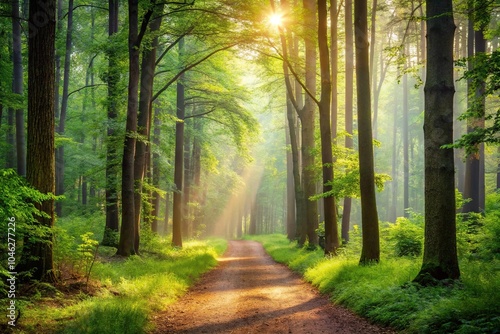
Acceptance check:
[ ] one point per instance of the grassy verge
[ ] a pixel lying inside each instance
(123, 293)
(384, 293)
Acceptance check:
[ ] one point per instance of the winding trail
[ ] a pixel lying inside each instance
(250, 293)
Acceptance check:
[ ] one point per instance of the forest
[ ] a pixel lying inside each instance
(149, 144)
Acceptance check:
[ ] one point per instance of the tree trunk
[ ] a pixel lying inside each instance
(112, 215)
(291, 223)
(307, 118)
(369, 216)
(179, 159)
(64, 109)
(334, 55)
(17, 86)
(186, 230)
(167, 213)
(156, 170)
(40, 161)
(406, 160)
(373, 71)
(349, 83)
(331, 230)
(440, 247)
(126, 245)
(144, 120)
(196, 173)
(471, 182)
(394, 166)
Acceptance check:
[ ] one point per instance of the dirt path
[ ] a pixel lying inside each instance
(250, 293)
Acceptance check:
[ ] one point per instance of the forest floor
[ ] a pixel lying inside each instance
(250, 293)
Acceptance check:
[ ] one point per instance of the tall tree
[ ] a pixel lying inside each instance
(40, 160)
(17, 86)
(331, 229)
(179, 158)
(64, 108)
(369, 217)
(440, 247)
(307, 119)
(349, 85)
(127, 231)
(148, 66)
(112, 215)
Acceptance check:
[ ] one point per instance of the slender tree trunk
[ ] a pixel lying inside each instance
(10, 157)
(126, 245)
(480, 47)
(144, 120)
(334, 55)
(331, 230)
(179, 160)
(373, 70)
(156, 170)
(64, 109)
(307, 118)
(112, 214)
(17, 87)
(291, 223)
(394, 168)
(40, 161)
(186, 230)
(440, 247)
(406, 148)
(349, 83)
(167, 213)
(369, 216)
(196, 177)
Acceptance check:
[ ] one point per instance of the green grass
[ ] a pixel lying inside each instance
(384, 293)
(131, 289)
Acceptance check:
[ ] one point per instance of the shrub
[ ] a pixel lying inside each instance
(407, 237)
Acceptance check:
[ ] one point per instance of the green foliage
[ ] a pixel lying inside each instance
(407, 237)
(484, 77)
(385, 294)
(88, 252)
(111, 317)
(346, 170)
(17, 205)
(488, 238)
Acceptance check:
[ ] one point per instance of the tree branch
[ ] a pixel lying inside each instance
(187, 68)
(82, 88)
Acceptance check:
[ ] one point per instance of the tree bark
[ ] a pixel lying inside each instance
(440, 248)
(17, 87)
(40, 160)
(349, 83)
(186, 192)
(369, 217)
(112, 214)
(406, 148)
(64, 108)
(179, 159)
(291, 223)
(331, 230)
(156, 170)
(307, 119)
(144, 120)
(126, 245)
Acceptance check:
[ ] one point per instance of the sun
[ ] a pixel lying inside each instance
(276, 19)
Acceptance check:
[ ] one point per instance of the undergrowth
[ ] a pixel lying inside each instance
(125, 291)
(385, 294)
